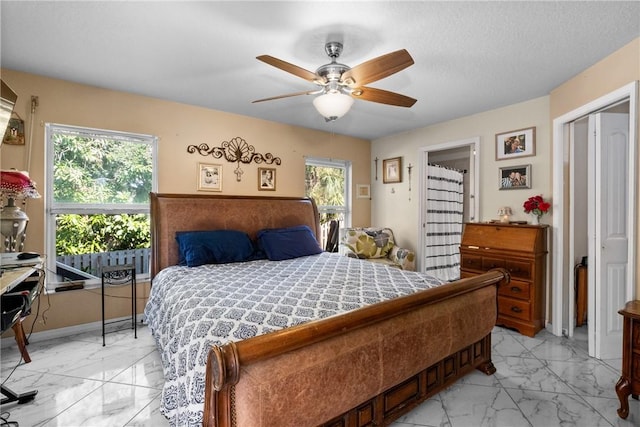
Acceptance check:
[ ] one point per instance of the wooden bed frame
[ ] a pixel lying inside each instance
(363, 368)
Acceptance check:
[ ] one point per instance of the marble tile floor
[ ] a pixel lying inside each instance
(543, 381)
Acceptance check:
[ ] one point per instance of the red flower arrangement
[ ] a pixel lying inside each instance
(536, 205)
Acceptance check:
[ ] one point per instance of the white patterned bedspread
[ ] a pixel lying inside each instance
(192, 308)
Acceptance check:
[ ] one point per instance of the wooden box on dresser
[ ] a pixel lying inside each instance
(522, 251)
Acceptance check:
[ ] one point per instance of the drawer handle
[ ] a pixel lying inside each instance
(516, 309)
(516, 289)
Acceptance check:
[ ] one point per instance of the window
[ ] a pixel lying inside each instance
(328, 183)
(97, 201)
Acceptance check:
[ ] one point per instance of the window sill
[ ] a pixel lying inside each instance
(83, 285)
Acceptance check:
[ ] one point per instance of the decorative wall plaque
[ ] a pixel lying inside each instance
(235, 151)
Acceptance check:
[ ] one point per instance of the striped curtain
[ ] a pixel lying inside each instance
(445, 199)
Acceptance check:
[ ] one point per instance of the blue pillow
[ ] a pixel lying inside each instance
(213, 247)
(287, 243)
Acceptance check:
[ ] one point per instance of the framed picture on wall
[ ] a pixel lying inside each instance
(363, 191)
(209, 177)
(14, 134)
(266, 179)
(392, 170)
(515, 177)
(516, 143)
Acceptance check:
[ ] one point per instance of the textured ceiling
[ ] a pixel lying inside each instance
(469, 56)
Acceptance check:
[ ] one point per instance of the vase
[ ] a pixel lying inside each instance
(535, 219)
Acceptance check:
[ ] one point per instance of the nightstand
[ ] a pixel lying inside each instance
(629, 382)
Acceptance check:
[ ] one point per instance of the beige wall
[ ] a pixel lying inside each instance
(177, 126)
(391, 199)
(613, 72)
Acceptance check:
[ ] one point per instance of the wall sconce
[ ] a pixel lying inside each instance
(505, 212)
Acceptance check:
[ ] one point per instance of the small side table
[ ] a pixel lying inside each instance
(120, 275)
(629, 382)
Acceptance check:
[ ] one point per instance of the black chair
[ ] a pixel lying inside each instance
(332, 237)
(16, 306)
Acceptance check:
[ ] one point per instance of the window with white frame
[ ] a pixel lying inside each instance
(97, 201)
(327, 181)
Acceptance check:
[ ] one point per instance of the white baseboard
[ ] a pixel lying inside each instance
(64, 332)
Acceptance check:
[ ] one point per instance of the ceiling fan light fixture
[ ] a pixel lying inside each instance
(333, 105)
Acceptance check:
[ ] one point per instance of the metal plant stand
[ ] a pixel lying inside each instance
(120, 275)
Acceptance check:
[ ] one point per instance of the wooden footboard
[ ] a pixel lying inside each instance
(391, 404)
(366, 367)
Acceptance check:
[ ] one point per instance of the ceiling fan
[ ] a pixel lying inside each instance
(339, 84)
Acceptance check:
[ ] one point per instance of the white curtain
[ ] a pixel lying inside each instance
(444, 207)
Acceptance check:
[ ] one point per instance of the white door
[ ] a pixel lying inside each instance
(609, 219)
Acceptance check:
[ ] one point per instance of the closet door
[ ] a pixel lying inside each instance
(609, 252)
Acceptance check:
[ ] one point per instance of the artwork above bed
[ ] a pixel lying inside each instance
(237, 150)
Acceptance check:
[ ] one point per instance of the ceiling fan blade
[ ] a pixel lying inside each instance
(290, 68)
(309, 92)
(383, 97)
(377, 68)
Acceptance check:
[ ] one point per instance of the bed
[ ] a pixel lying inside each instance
(335, 361)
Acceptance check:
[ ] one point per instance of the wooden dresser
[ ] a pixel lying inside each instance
(629, 382)
(522, 251)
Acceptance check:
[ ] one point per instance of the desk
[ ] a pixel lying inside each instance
(10, 280)
(16, 284)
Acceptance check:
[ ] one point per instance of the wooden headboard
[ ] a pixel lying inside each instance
(189, 212)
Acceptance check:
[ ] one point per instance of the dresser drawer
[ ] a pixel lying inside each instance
(515, 289)
(490, 263)
(514, 308)
(471, 262)
(520, 269)
(635, 334)
(635, 367)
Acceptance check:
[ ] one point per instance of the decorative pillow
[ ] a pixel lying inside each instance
(213, 247)
(369, 242)
(287, 243)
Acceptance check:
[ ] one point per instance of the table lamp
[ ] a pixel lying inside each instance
(13, 220)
